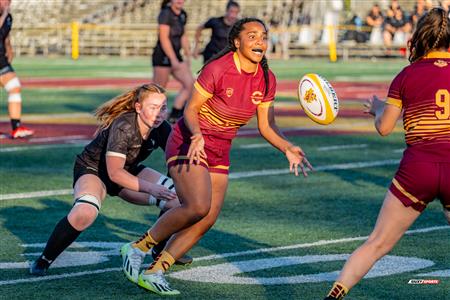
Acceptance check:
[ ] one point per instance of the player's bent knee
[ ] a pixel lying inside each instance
(85, 211)
(12, 85)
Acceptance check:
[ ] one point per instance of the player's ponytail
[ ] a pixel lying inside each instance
(432, 33)
(231, 47)
(124, 103)
(164, 3)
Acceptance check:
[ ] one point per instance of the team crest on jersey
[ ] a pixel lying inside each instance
(257, 97)
(440, 63)
(229, 92)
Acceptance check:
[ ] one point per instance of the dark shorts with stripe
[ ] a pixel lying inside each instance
(112, 188)
(5, 68)
(160, 59)
(217, 150)
(418, 183)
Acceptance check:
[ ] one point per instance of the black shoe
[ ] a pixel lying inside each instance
(39, 267)
(182, 261)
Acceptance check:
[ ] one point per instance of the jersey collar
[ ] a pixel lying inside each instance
(437, 54)
(238, 64)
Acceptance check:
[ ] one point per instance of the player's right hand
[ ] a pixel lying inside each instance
(196, 150)
(161, 192)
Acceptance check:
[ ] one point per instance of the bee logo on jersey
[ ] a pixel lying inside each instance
(440, 63)
(229, 92)
(257, 97)
(310, 96)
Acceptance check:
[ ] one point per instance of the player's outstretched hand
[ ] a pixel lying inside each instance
(196, 150)
(373, 106)
(161, 192)
(297, 159)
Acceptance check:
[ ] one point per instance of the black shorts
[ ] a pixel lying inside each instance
(5, 67)
(112, 188)
(160, 59)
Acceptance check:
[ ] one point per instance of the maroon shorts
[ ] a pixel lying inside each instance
(418, 183)
(217, 150)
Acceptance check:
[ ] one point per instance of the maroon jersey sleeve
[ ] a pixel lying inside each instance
(206, 81)
(395, 94)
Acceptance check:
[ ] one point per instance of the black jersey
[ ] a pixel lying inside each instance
(219, 35)
(176, 23)
(122, 138)
(4, 32)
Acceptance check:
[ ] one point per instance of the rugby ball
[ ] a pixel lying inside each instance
(318, 99)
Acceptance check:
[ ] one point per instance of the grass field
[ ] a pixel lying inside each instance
(278, 237)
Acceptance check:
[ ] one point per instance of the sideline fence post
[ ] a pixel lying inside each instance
(332, 43)
(75, 39)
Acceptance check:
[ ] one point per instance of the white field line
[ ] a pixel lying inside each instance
(220, 256)
(57, 138)
(342, 147)
(70, 144)
(236, 175)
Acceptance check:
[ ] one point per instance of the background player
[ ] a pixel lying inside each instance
(167, 59)
(220, 26)
(132, 126)
(424, 171)
(233, 87)
(8, 77)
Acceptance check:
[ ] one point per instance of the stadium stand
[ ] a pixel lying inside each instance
(128, 27)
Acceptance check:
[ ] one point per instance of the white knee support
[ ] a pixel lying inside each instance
(166, 182)
(14, 98)
(88, 199)
(12, 84)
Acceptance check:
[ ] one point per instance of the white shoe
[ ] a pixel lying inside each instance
(132, 260)
(156, 283)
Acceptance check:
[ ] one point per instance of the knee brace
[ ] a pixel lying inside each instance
(166, 182)
(13, 97)
(88, 199)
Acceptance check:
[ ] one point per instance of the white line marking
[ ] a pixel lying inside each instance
(342, 147)
(355, 165)
(52, 277)
(236, 175)
(57, 138)
(255, 146)
(70, 144)
(308, 245)
(216, 256)
(35, 194)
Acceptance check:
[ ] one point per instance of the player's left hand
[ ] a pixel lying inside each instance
(374, 106)
(297, 158)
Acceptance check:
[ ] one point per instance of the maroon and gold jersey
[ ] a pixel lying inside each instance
(422, 90)
(233, 95)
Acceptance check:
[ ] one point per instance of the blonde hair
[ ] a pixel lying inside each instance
(124, 103)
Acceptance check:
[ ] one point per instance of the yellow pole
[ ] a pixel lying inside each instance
(332, 43)
(75, 38)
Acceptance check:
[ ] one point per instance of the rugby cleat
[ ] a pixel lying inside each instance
(39, 267)
(21, 132)
(132, 260)
(156, 283)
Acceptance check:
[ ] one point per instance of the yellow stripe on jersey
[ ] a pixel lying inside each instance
(183, 157)
(265, 104)
(202, 91)
(222, 167)
(395, 102)
(402, 190)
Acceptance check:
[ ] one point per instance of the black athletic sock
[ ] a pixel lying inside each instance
(156, 250)
(15, 123)
(62, 236)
